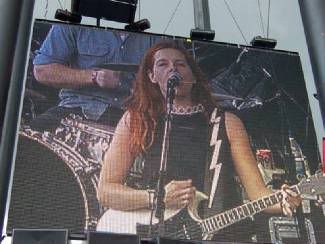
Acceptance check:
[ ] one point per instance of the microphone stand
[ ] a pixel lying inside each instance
(160, 191)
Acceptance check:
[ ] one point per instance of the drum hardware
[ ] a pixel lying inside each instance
(89, 139)
(222, 97)
(266, 166)
(323, 209)
(270, 175)
(30, 93)
(306, 165)
(306, 206)
(321, 203)
(302, 169)
(306, 202)
(265, 157)
(283, 228)
(301, 163)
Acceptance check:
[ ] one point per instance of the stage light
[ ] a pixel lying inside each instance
(259, 41)
(198, 34)
(65, 15)
(40, 236)
(140, 25)
(115, 10)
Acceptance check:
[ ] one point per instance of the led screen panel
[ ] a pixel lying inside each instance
(93, 128)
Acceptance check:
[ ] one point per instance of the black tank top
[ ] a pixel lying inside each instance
(189, 157)
(187, 151)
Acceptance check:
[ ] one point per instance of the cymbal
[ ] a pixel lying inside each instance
(126, 67)
(223, 97)
(34, 94)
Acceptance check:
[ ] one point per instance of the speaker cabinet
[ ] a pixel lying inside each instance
(112, 238)
(39, 236)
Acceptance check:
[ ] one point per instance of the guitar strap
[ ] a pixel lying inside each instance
(214, 165)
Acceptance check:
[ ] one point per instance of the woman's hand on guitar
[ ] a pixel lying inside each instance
(179, 194)
(290, 201)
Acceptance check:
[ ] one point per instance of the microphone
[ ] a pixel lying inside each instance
(174, 80)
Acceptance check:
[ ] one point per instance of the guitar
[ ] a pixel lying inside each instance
(185, 223)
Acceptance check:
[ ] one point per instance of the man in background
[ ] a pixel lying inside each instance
(80, 61)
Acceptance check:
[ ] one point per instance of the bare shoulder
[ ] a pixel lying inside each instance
(232, 120)
(234, 125)
(124, 121)
(120, 143)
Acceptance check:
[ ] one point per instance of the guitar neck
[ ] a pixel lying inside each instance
(217, 222)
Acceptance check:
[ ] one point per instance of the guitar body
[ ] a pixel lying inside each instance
(126, 221)
(179, 223)
(186, 224)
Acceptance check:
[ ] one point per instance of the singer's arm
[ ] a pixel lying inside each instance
(246, 166)
(113, 193)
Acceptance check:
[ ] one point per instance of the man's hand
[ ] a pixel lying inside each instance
(179, 194)
(106, 78)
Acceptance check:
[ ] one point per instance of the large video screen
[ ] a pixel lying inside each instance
(162, 136)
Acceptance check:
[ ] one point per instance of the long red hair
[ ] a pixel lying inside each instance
(146, 105)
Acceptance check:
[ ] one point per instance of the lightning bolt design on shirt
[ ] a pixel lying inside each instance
(215, 165)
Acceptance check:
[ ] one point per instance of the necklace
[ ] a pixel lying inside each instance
(188, 110)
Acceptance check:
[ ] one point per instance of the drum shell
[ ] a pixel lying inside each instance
(55, 183)
(45, 192)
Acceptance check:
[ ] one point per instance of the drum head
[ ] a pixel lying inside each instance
(45, 192)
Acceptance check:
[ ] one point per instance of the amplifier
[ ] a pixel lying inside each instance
(286, 230)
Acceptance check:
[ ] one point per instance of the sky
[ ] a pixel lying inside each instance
(176, 17)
